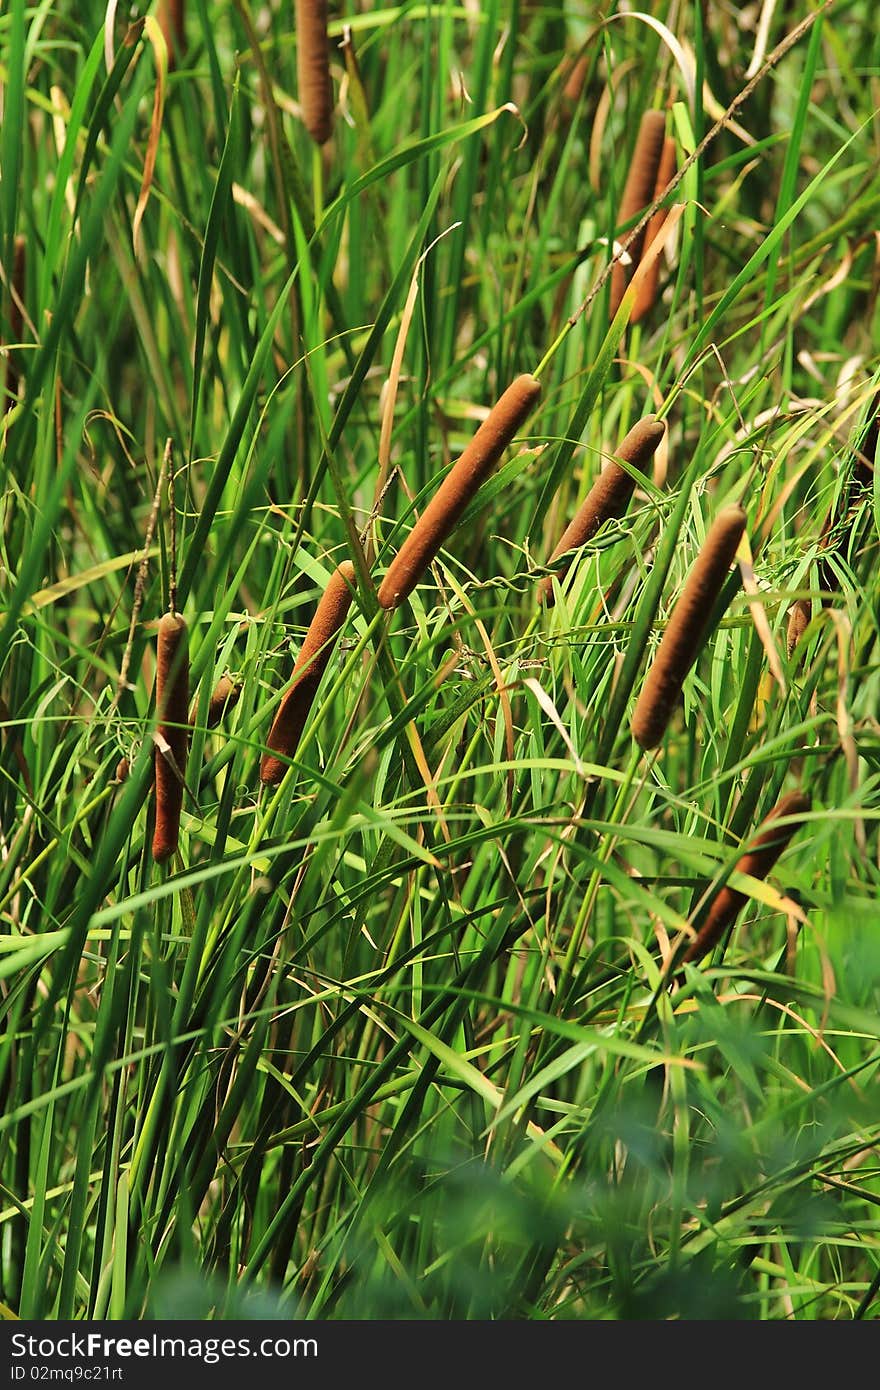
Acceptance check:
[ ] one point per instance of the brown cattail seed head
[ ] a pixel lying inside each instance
(758, 861)
(457, 489)
(681, 642)
(308, 669)
(225, 696)
(123, 767)
(648, 290)
(313, 68)
(638, 192)
(799, 615)
(609, 496)
(172, 705)
(576, 75)
(172, 21)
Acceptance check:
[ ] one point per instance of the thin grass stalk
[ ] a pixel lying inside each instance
(457, 489)
(682, 640)
(608, 498)
(310, 665)
(769, 843)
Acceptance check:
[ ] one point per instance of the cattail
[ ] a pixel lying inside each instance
(648, 290)
(458, 487)
(758, 861)
(172, 21)
(308, 669)
(313, 68)
(172, 703)
(799, 615)
(609, 496)
(680, 644)
(576, 76)
(637, 194)
(225, 696)
(16, 319)
(123, 767)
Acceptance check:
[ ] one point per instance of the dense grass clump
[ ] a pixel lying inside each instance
(447, 997)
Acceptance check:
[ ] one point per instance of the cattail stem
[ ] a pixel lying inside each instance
(647, 292)
(457, 489)
(769, 843)
(608, 497)
(290, 719)
(313, 68)
(681, 642)
(637, 195)
(172, 704)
